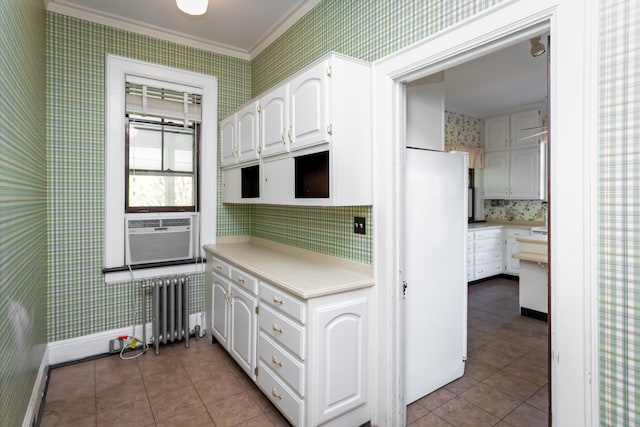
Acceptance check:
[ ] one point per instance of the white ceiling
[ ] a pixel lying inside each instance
(489, 85)
(497, 82)
(239, 28)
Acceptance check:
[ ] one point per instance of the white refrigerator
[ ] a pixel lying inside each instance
(435, 262)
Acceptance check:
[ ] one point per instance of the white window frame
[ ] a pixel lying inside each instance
(114, 210)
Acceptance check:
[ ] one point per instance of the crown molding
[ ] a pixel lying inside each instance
(116, 21)
(301, 9)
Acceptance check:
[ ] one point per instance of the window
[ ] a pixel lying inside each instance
(160, 129)
(160, 174)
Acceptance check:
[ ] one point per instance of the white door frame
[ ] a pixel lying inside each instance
(573, 26)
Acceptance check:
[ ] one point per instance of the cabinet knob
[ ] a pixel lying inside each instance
(276, 329)
(219, 267)
(277, 300)
(282, 136)
(276, 361)
(241, 279)
(289, 134)
(275, 394)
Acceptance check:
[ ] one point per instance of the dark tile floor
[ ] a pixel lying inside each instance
(506, 377)
(505, 382)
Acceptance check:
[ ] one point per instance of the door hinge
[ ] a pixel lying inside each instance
(404, 289)
(329, 71)
(255, 371)
(257, 310)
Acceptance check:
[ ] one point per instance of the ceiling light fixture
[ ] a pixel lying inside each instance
(537, 48)
(193, 7)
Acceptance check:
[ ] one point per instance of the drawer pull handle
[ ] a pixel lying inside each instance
(275, 394)
(219, 267)
(275, 361)
(276, 329)
(241, 279)
(277, 300)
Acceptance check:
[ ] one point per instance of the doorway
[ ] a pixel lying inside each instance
(573, 82)
(497, 101)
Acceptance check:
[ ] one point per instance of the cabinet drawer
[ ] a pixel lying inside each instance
(244, 280)
(282, 330)
(487, 245)
(284, 365)
(470, 248)
(490, 269)
(488, 234)
(220, 267)
(470, 237)
(279, 394)
(470, 261)
(487, 257)
(283, 302)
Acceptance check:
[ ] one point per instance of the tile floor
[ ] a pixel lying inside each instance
(505, 382)
(506, 377)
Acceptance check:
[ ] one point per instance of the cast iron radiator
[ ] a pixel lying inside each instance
(170, 310)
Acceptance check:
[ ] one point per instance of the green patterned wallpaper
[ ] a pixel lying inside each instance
(619, 224)
(79, 302)
(23, 204)
(363, 29)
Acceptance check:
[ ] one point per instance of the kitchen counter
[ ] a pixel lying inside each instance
(303, 273)
(472, 226)
(533, 248)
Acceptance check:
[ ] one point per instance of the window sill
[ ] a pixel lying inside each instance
(146, 271)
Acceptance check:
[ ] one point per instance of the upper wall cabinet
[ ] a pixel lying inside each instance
(311, 143)
(517, 130)
(239, 136)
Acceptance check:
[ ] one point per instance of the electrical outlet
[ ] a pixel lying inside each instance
(359, 226)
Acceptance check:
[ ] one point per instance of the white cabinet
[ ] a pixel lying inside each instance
(512, 174)
(425, 113)
(239, 136)
(234, 318)
(516, 130)
(309, 100)
(308, 356)
(274, 121)
(485, 249)
(313, 355)
(325, 107)
(496, 133)
(511, 246)
(525, 129)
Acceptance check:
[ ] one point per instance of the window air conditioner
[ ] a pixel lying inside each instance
(151, 239)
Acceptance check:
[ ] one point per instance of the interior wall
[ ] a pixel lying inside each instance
(23, 204)
(619, 231)
(79, 303)
(366, 30)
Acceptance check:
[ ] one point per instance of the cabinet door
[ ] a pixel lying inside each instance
(221, 311)
(524, 125)
(308, 107)
(496, 133)
(511, 264)
(341, 336)
(274, 122)
(278, 183)
(524, 174)
(228, 140)
(243, 335)
(496, 175)
(247, 133)
(231, 185)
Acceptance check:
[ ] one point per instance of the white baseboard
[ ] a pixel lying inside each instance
(96, 344)
(38, 390)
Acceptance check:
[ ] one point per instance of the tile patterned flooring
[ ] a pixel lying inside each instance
(506, 377)
(505, 382)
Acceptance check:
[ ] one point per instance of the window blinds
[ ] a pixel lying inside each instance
(160, 99)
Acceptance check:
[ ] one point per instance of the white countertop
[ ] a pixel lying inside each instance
(303, 273)
(472, 226)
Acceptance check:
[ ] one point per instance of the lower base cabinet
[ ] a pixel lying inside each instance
(310, 356)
